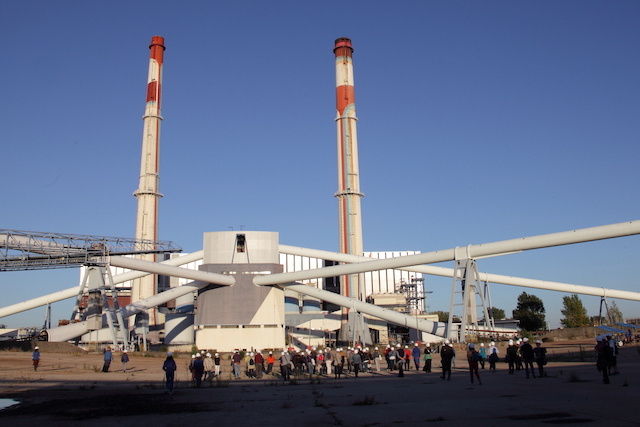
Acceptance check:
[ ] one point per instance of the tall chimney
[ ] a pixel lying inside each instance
(147, 192)
(349, 214)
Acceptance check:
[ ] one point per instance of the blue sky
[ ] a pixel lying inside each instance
(478, 122)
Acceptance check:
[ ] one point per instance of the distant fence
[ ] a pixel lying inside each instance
(571, 334)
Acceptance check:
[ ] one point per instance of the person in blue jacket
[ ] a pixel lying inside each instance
(416, 356)
(36, 357)
(169, 367)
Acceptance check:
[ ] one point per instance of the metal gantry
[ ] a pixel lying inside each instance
(32, 250)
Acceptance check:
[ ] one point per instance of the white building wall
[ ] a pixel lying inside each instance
(374, 282)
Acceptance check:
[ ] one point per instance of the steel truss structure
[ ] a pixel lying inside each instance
(32, 250)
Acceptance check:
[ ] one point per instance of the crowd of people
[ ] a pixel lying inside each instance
(353, 361)
(520, 355)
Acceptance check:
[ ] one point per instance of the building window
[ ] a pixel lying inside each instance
(240, 243)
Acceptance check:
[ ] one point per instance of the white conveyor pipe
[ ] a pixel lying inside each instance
(485, 277)
(73, 330)
(471, 252)
(203, 279)
(73, 292)
(435, 328)
(167, 270)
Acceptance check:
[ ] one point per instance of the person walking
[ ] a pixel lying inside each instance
(541, 357)
(483, 354)
(169, 367)
(512, 356)
(526, 351)
(35, 357)
(124, 359)
(473, 357)
(493, 359)
(613, 362)
(447, 354)
(108, 358)
(198, 369)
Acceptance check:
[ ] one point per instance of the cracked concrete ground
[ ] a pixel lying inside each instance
(70, 390)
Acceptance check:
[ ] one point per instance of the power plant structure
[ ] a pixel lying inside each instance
(246, 289)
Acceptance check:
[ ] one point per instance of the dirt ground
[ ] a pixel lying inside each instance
(70, 389)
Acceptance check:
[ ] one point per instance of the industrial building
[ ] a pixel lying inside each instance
(246, 289)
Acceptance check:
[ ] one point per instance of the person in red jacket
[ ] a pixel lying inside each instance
(259, 359)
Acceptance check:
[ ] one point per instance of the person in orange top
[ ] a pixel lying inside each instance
(270, 361)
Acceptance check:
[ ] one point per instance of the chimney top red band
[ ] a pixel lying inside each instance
(343, 42)
(157, 41)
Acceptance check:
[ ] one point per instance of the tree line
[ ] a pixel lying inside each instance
(530, 312)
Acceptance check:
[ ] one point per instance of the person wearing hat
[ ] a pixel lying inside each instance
(473, 357)
(528, 356)
(251, 365)
(328, 359)
(356, 362)
(415, 352)
(427, 358)
(483, 355)
(208, 367)
(285, 361)
(339, 360)
(512, 356)
(613, 363)
(377, 358)
(407, 358)
(108, 358)
(124, 359)
(235, 363)
(541, 357)
(391, 358)
(198, 369)
(270, 361)
(36, 357)
(169, 367)
(401, 356)
(216, 364)
(447, 353)
(259, 359)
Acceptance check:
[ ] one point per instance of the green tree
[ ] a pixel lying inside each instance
(530, 312)
(498, 313)
(614, 314)
(443, 316)
(575, 315)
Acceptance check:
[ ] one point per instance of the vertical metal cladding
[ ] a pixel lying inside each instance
(350, 218)
(148, 190)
